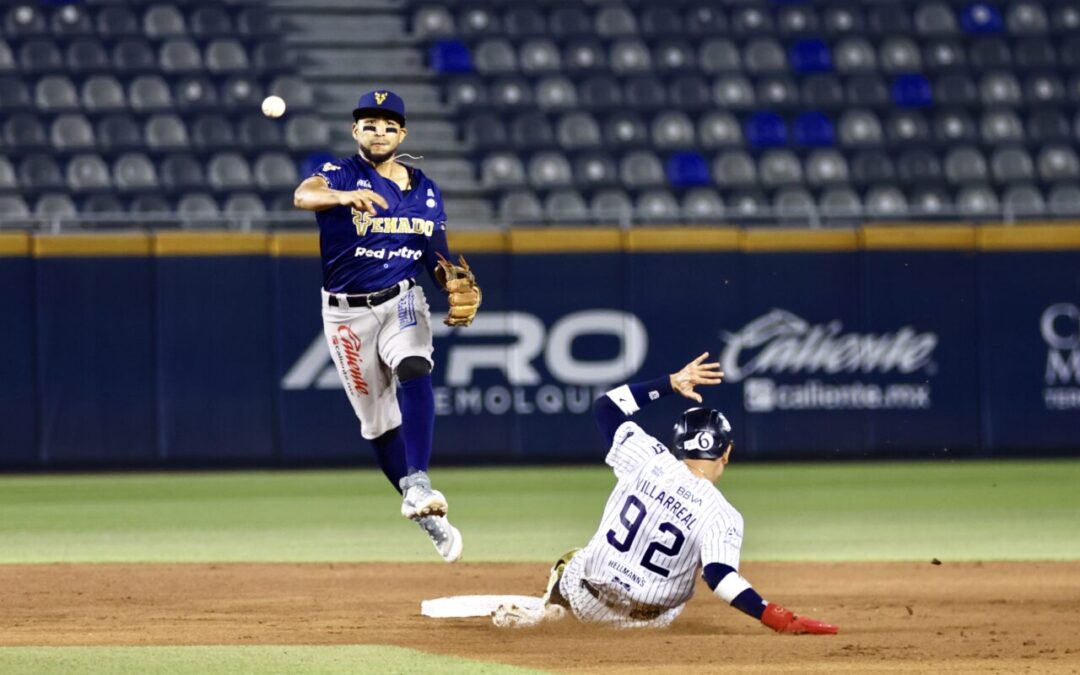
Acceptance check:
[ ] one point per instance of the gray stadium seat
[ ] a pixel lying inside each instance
(796, 20)
(180, 56)
(734, 168)
(255, 21)
(977, 200)
(101, 204)
(570, 20)
(85, 56)
(672, 130)
(1012, 165)
(854, 55)
(1024, 201)
(71, 132)
(1035, 54)
(868, 91)
(24, 131)
(118, 132)
(479, 21)
(1058, 163)
(182, 172)
(934, 19)
(274, 57)
(629, 57)
(244, 204)
(166, 132)
(990, 54)
(210, 21)
(149, 93)
(944, 55)
(1000, 89)
(1066, 18)
(1048, 126)
(859, 128)
(672, 55)
(229, 171)
(502, 170)
(197, 208)
(719, 129)
(133, 55)
(965, 165)
(461, 94)
(822, 92)
(511, 92)
(751, 20)
(485, 131)
(641, 169)
(7, 175)
(793, 204)
(520, 207)
(900, 55)
(764, 56)
(115, 21)
(888, 18)
(656, 206)
(24, 20)
(600, 93)
(258, 131)
(472, 211)
(296, 91)
(839, 203)
(615, 21)
(494, 56)
(241, 91)
(212, 132)
(7, 58)
(611, 207)
(919, 166)
(566, 206)
(103, 93)
(1001, 126)
(1044, 89)
(1064, 200)
(778, 168)
(549, 170)
(1026, 18)
(226, 56)
(843, 19)
(906, 127)
(645, 92)
(777, 92)
(540, 55)
(134, 172)
(161, 21)
(690, 93)
(531, 130)
(40, 56)
(88, 172)
(432, 21)
(706, 19)
(661, 21)
(556, 92)
(826, 167)
(955, 126)
(55, 207)
(885, 202)
(733, 92)
(55, 93)
(872, 167)
(584, 55)
(578, 131)
(702, 205)
(930, 201)
(305, 131)
(593, 170)
(625, 129)
(718, 55)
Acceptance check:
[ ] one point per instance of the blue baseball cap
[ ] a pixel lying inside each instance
(380, 103)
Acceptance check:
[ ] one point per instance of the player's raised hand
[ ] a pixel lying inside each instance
(363, 200)
(784, 620)
(694, 373)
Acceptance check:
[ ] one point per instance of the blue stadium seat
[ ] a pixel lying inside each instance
(766, 130)
(810, 55)
(981, 18)
(814, 129)
(687, 169)
(912, 91)
(450, 56)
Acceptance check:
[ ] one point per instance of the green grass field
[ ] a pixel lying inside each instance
(989, 510)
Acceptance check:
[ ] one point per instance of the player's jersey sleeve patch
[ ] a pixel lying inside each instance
(334, 174)
(631, 448)
(722, 542)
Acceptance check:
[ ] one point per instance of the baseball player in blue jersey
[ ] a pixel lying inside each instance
(381, 222)
(664, 521)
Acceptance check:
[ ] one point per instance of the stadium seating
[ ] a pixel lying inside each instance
(918, 107)
(129, 107)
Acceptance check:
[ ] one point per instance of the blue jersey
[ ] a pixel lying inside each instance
(362, 253)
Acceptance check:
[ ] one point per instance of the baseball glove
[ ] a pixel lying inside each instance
(463, 293)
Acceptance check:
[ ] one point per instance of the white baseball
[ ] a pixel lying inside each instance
(273, 106)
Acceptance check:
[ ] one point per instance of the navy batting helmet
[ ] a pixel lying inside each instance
(702, 433)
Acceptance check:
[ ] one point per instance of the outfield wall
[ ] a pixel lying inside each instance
(206, 348)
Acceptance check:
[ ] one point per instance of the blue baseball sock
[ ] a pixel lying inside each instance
(417, 403)
(390, 454)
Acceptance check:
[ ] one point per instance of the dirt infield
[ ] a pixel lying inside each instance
(914, 617)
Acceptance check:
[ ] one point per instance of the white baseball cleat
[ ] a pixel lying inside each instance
(516, 616)
(419, 499)
(445, 537)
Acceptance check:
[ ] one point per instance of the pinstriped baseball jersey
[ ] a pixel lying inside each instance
(660, 525)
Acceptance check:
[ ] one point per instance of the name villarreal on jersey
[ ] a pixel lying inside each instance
(365, 223)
